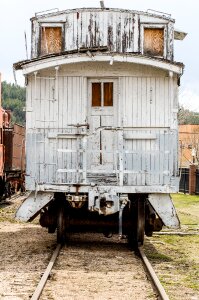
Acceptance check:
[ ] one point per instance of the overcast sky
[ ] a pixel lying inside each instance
(15, 20)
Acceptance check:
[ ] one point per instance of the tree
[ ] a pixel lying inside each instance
(13, 99)
(186, 116)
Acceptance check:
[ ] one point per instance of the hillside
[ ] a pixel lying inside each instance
(13, 99)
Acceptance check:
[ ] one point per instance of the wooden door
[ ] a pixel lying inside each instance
(102, 122)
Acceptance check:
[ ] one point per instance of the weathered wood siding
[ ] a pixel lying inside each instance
(119, 30)
(145, 112)
(55, 104)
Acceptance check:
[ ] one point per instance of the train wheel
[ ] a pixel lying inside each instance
(61, 228)
(136, 230)
(140, 222)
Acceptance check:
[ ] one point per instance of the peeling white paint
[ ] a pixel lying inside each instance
(163, 205)
(32, 205)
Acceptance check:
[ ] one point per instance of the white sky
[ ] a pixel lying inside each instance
(15, 19)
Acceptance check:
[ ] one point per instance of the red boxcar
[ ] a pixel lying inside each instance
(12, 154)
(1, 144)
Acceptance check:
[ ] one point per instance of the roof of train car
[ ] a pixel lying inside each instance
(19, 65)
(149, 12)
(39, 16)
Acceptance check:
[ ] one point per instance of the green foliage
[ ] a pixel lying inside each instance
(13, 99)
(186, 116)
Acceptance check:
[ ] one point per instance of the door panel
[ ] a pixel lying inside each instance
(102, 120)
(94, 141)
(107, 141)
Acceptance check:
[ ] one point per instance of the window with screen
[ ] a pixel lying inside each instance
(154, 41)
(102, 93)
(51, 40)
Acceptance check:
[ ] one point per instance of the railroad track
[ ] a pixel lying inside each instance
(44, 278)
(16, 196)
(158, 286)
(82, 254)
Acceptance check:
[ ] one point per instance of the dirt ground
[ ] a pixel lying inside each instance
(90, 267)
(93, 267)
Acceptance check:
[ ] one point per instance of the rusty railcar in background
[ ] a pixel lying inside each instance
(12, 154)
(14, 164)
(1, 140)
(101, 122)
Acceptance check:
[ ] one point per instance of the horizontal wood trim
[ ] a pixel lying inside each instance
(41, 64)
(132, 136)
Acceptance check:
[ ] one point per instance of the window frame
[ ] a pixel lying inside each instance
(103, 110)
(53, 25)
(154, 26)
(102, 89)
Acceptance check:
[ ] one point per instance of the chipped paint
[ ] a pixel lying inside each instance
(129, 145)
(119, 30)
(165, 209)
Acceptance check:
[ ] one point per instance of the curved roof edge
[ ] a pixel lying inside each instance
(149, 12)
(49, 61)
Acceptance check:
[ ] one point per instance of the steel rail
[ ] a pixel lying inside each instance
(37, 293)
(177, 233)
(154, 278)
(41, 284)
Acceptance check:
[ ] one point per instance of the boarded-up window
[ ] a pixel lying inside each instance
(102, 94)
(51, 40)
(154, 41)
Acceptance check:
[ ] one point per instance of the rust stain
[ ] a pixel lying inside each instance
(110, 37)
(90, 30)
(118, 38)
(119, 30)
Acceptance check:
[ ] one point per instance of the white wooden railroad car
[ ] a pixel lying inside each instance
(101, 122)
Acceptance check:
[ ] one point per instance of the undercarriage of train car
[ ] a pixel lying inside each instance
(11, 183)
(130, 216)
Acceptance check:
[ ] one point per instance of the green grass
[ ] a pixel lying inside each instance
(176, 262)
(185, 200)
(187, 207)
(159, 257)
(175, 257)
